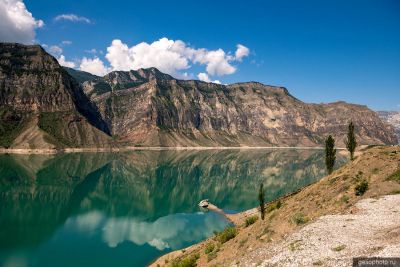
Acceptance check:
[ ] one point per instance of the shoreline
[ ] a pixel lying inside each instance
(129, 148)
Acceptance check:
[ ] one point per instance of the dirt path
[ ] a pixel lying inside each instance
(333, 240)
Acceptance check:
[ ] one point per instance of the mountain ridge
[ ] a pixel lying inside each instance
(149, 108)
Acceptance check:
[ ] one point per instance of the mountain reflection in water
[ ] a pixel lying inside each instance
(89, 209)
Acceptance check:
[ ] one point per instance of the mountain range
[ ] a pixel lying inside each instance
(44, 105)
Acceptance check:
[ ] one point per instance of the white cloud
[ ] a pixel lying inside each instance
(91, 51)
(72, 17)
(16, 23)
(204, 77)
(94, 66)
(55, 50)
(171, 57)
(66, 42)
(158, 54)
(241, 52)
(63, 62)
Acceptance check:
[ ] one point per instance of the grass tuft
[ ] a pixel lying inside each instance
(299, 218)
(251, 220)
(227, 234)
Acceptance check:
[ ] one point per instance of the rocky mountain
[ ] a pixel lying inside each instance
(45, 105)
(41, 105)
(392, 118)
(149, 108)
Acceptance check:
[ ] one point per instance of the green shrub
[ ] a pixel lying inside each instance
(394, 176)
(274, 206)
(251, 220)
(345, 199)
(361, 187)
(189, 261)
(209, 248)
(227, 234)
(395, 192)
(299, 218)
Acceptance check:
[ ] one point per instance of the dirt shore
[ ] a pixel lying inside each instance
(129, 148)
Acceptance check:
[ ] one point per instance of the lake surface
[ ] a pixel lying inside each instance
(126, 209)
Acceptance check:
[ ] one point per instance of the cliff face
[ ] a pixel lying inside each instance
(41, 105)
(149, 108)
(392, 118)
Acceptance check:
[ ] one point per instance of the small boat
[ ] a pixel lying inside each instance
(204, 203)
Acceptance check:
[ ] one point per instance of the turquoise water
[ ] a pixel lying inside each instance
(126, 209)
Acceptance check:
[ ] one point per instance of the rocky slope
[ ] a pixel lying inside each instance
(149, 108)
(41, 105)
(325, 224)
(392, 118)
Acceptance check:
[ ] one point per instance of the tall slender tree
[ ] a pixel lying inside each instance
(261, 198)
(330, 153)
(351, 142)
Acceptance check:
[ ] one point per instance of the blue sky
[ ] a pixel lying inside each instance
(322, 51)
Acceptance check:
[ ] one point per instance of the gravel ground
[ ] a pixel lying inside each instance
(374, 230)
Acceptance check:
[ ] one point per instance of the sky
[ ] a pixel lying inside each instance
(321, 51)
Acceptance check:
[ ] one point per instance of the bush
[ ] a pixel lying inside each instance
(189, 261)
(227, 234)
(251, 220)
(209, 248)
(345, 199)
(361, 187)
(299, 218)
(274, 206)
(394, 176)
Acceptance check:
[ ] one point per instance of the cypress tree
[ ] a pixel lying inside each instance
(330, 153)
(351, 142)
(262, 200)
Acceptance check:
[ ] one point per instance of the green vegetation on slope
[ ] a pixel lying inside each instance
(11, 123)
(53, 123)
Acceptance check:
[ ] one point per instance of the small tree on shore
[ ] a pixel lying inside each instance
(262, 200)
(330, 153)
(351, 142)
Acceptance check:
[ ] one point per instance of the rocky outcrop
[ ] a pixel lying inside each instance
(149, 108)
(37, 95)
(392, 118)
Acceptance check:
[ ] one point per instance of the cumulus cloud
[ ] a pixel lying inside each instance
(63, 62)
(16, 23)
(158, 54)
(72, 17)
(94, 66)
(172, 57)
(204, 77)
(241, 52)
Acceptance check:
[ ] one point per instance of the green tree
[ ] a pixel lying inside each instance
(330, 153)
(261, 198)
(351, 142)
